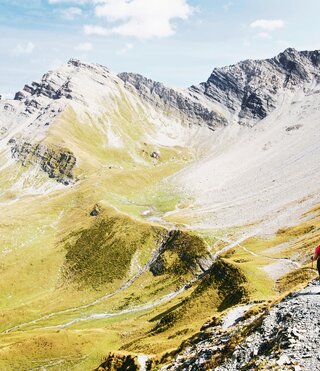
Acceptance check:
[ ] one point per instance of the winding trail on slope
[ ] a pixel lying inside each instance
(232, 244)
(97, 301)
(143, 307)
(287, 260)
(97, 316)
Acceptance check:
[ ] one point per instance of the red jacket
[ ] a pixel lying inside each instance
(317, 252)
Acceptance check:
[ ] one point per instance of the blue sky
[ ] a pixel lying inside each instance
(177, 42)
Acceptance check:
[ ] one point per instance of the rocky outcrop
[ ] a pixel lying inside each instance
(52, 85)
(282, 338)
(96, 210)
(60, 83)
(187, 109)
(46, 88)
(250, 89)
(57, 163)
(288, 337)
(119, 362)
(185, 252)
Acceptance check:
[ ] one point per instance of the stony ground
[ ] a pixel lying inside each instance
(286, 339)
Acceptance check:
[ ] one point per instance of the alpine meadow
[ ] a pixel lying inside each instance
(149, 227)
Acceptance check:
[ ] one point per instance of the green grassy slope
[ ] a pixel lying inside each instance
(84, 270)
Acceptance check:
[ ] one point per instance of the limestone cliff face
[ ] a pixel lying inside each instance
(62, 83)
(248, 90)
(251, 89)
(187, 108)
(57, 163)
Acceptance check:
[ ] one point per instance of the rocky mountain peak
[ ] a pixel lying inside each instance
(53, 85)
(80, 83)
(250, 89)
(76, 62)
(243, 93)
(61, 82)
(95, 67)
(293, 53)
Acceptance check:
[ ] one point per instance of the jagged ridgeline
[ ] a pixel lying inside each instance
(141, 223)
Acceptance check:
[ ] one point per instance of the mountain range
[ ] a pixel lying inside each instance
(136, 216)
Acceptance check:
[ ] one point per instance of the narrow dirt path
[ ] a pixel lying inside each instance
(97, 301)
(143, 307)
(237, 243)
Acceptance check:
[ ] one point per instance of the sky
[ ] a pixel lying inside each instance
(177, 42)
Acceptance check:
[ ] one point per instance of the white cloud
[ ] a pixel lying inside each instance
(95, 30)
(227, 6)
(83, 47)
(71, 13)
(268, 24)
(143, 19)
(264, 36)
(21, 49)
(125, 49)
(77, 2)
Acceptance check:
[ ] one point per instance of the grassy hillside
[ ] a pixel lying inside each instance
(93, 267)
(63, 288)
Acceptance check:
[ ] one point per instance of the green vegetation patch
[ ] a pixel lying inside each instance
(183, 252)
(295, 279)
(105, 251)
(229, 281)
(222, 287)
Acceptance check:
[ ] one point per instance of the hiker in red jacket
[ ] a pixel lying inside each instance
(316, 256)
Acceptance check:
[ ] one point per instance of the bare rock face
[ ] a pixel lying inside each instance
(55, 84)
(168, 99)
(57, 163)
(244, 93)
(287, 338)
(251, 89)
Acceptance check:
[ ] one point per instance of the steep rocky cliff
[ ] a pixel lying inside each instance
(56, 162)
(251, 89)
(189, 109)
(248, 90)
